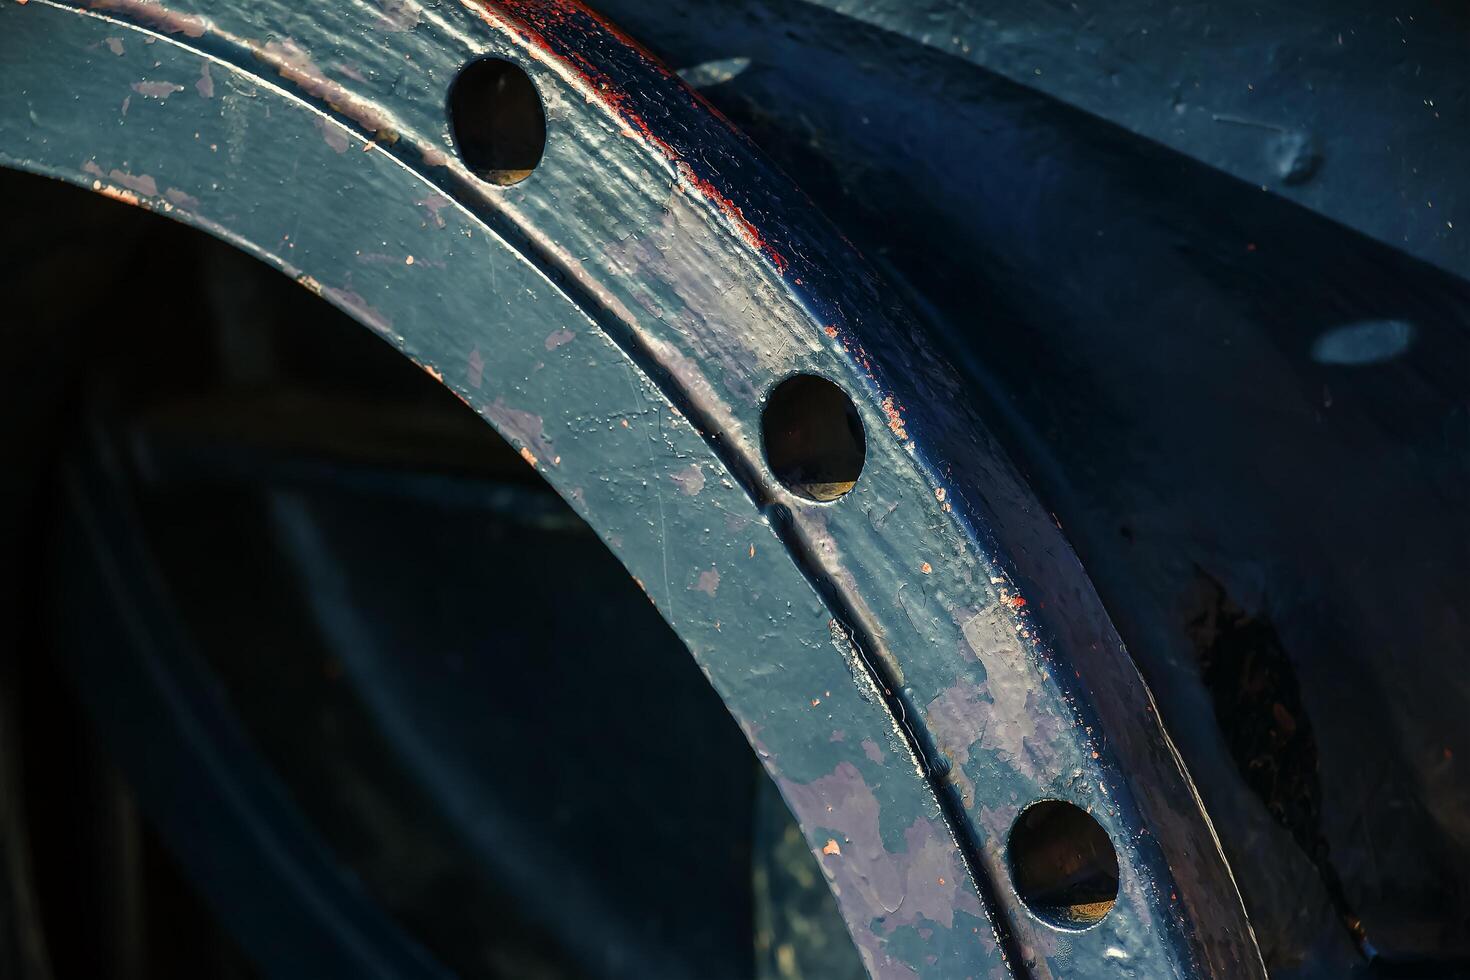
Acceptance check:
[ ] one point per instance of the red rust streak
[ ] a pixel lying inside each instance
(534, 20)
(561, 12)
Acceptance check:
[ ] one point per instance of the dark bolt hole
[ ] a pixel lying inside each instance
(496, 117)
(813, 437)
(1063, 864)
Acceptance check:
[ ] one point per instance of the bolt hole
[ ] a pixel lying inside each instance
(497, 120)
(813, 437)
(1063, 864)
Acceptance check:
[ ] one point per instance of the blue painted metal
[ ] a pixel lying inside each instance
(914, 663)
(1350, 110)
(1166, 354)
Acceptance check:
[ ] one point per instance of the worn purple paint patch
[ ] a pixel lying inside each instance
(708, 582)
(690, 480)
(1000, 712)
(156, 90)
(926, 882)
(353, 303)
(205, 85)
(433, 204)
(181, 199)
(139, 183)
(527, 428)
(333, 135)
(398, 15)
(475, 368)
(115, 45)
(295, 65)
(558, 338)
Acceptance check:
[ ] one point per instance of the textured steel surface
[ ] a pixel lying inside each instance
(619, 316)
(1249, 418)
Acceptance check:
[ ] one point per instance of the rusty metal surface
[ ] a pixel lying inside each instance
(914, 663)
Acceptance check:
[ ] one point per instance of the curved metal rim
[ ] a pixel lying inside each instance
(898, 689)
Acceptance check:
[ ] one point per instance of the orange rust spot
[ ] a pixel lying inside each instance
(530, 457)
(310, 284)
(925, 568)
(752, 554)
(894, 414)
(1015, 602)
(816, 701)
(831, 847)
(941, 881)
(116, 193)
(939, 494)
(832, 332)
(625, 423)
(434, 373)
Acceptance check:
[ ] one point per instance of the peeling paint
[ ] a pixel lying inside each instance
(182, 199)
(156, 90)
(559, 338)
(524, 427)
(333, 135)
(708, 582)
(690, 480)
(475, 368)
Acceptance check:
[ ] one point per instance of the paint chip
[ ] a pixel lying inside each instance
(689, 480)
(708, 582)
(559, 338)
(156, 90)
(831, 847)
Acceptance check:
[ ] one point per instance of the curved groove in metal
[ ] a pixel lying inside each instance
(914, 663)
